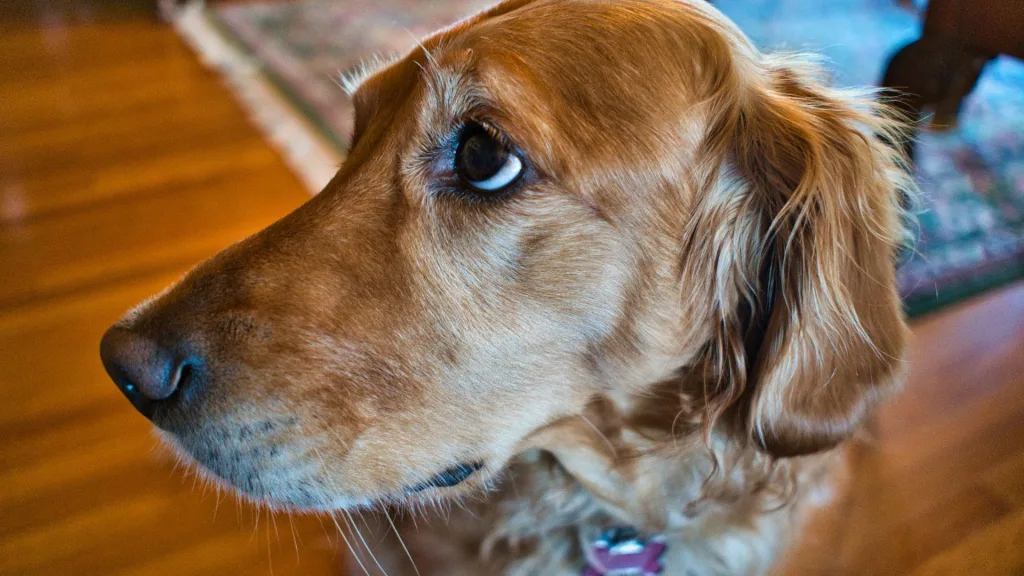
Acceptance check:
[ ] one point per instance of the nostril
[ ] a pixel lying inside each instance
(146, 372)
(183, 375)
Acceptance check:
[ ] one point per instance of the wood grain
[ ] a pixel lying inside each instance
(944, 469)
(123, 162)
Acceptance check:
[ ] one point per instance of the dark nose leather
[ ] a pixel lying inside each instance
(146, 373)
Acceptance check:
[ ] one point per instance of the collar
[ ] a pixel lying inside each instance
(621, 551)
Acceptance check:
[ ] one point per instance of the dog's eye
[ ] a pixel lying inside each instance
(483, 162)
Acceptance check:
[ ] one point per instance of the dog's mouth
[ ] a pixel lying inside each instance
(448, 478)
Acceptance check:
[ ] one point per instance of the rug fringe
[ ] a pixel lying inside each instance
(311, 156)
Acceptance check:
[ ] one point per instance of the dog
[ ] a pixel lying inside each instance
(599, 271)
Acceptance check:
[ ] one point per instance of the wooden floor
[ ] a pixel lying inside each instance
(122, 162)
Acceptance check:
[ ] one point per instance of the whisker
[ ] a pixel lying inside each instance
(216, 505)
(461, 504)
(273, 520)
(359, 533)
(419, 43)
(402, 542)
(320, 519)
(349, 544)
(366, 524)
(411, 508)
(295, 540)
(270, 554)
(256, 526)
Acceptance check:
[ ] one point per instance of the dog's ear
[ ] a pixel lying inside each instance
(810, 332)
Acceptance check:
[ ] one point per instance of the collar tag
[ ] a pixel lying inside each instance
(622, 551)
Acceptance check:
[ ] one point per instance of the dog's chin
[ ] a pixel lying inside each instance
(284, 489)
(290, 489)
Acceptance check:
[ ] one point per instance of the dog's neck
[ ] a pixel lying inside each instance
(648, 467)
(560, 500)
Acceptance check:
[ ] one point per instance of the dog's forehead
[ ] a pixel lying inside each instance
(556, 43)
(606, 65)
(558, 78)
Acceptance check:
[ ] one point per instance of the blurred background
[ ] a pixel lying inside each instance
(139, 137)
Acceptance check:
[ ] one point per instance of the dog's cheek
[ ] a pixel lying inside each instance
(578, 276)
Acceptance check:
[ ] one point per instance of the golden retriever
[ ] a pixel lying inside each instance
(598, 269)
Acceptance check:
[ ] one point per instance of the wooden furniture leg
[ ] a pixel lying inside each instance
(935, 73)
(941, 68)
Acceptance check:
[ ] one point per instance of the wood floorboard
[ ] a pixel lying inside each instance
(123, 162)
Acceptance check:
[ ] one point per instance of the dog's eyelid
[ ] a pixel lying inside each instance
(489, 126)
(486, 114)
(494, 130)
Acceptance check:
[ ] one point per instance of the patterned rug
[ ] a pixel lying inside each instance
(284, 59)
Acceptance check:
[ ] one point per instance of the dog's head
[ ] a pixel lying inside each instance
(552, 201)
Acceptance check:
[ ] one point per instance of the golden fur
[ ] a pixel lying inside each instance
(672, 325)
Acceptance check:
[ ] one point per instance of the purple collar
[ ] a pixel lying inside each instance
(623, 552)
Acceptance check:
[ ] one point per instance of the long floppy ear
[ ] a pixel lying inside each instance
(811, 333)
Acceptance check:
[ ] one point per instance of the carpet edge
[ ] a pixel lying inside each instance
(309, 155)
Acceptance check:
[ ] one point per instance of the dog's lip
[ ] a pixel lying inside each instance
(449, 477)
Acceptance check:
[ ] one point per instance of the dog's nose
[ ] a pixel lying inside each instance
(146, 373)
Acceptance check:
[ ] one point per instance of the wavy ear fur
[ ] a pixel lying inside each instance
(810, 333)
